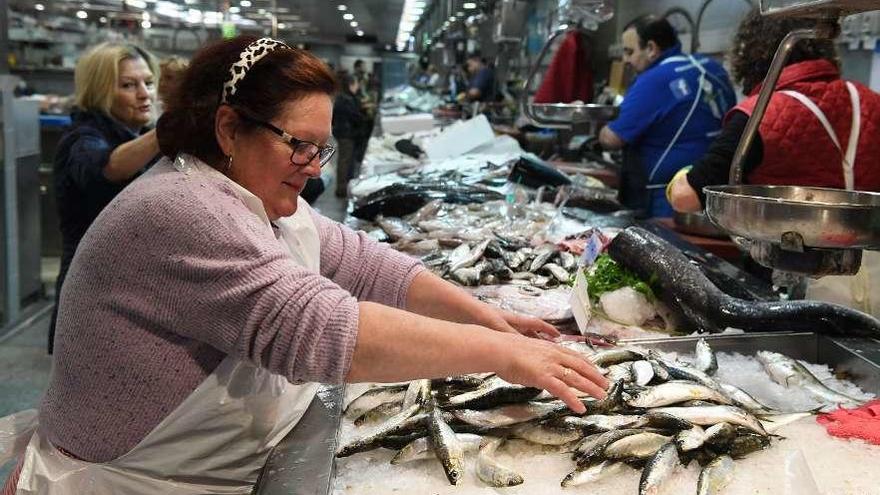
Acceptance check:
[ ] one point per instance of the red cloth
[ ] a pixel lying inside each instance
(797, 149)
(862, 422)
(570, 76)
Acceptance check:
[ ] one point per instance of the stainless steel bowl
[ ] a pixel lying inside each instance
(573, 113)
(809, 216)
(697, 224)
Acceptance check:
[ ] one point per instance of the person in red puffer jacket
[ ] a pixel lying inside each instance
(808, 130)
(819, 130)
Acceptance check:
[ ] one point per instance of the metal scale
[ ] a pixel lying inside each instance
(801, 230)
(574, 16)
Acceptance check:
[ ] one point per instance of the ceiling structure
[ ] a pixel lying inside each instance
(300, 20)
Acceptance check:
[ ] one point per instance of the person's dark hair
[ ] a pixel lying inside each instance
(284, 75)
(651, 28)
(756, 41)
(358, 63)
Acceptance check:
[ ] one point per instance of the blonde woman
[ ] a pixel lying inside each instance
(110, 143)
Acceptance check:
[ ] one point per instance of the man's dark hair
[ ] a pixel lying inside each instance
(476, 56)
(358, 63)
(651, 28)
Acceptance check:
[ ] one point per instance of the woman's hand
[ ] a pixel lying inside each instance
(506, 321)
(549, 366)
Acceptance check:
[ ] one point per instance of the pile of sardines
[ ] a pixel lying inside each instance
(659, 414)
(464, 243)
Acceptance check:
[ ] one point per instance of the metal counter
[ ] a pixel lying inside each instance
(303, 463)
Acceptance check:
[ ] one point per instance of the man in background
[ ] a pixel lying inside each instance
(481, 86)
(669, 116)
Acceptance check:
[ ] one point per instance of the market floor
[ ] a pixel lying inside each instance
(24, 364)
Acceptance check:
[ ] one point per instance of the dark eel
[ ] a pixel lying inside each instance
(403, 198)
(704, 307)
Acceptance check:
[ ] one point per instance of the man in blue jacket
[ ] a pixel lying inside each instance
(670, 114)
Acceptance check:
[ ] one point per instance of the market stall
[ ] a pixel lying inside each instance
(659, 430)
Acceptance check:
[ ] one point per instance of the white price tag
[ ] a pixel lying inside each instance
(580, 302)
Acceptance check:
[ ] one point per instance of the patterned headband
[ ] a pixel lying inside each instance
(250, 56)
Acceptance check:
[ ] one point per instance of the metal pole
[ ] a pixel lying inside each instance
(4, 36)
(825, 29)
(12, 304)
(524, 98)
(769, 84)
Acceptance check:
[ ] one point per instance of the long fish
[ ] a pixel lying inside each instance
(788, 372)
(421, 449)
(372, 439)
(372, 398)
(493, 392)
(446, 446)
(700, 305)
(508, 415)
(715, 476)
(659, 469)
(677, 391)
(743, 399)
(704, 358)
(490, 471)
(710, 415)
(582, 476)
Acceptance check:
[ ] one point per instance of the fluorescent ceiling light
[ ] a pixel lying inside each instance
(245, 3)
(40, 7)
(348, 17)
(359, 32)
(234, 10)
(146, 24)
(353, 24)
(281, 25)
(342, 7)
(82, 14)
(469, 5)
(102, 20)
(137, 4)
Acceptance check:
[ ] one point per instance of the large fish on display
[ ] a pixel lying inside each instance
(700, 305)
(404, 198)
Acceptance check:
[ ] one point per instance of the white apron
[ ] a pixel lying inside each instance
(219, 438)
(852, 291)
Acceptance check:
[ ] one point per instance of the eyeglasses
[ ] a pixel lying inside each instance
(302, 152)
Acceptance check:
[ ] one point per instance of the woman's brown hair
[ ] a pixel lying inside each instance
(756, 41)
(284, 75)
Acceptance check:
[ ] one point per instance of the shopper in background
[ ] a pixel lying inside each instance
(481, 86)
(669, 116)
(171, 70)
(348, 124)
(229, 299)
(109, 144)
(818, 130)
(368, 96)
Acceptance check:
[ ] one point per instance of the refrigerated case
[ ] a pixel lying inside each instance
(19, 200)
